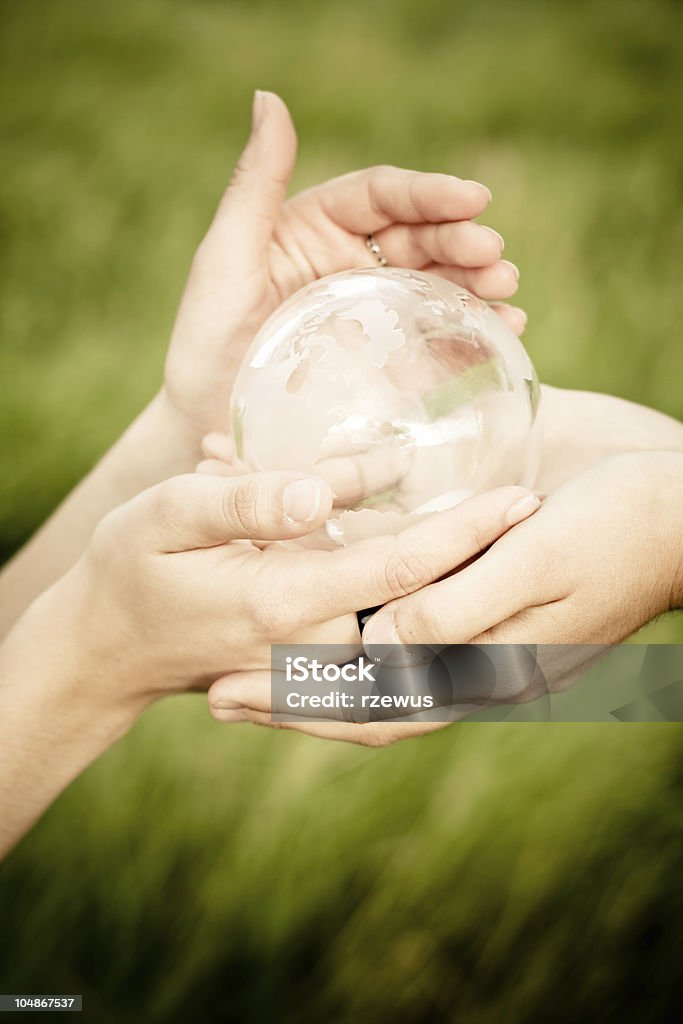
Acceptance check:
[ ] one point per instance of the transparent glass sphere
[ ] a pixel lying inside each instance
(403, 390)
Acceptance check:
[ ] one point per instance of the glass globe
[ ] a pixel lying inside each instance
(403, 390)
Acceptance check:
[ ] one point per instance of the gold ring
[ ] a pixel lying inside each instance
(373, 247)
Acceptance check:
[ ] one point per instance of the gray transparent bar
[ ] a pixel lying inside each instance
(41, 1004)
(478, 683)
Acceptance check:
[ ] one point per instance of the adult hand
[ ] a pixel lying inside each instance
(260, 249)
(432, 548)
(602, 557)
(171, 594)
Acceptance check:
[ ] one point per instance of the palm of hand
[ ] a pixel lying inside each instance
(259, 250)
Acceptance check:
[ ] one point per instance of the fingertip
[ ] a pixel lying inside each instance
(522, 508)
(514, 317)
(217, 445)
(481, 192)
(519, 319)
(496, 282)
(511, 273)
(272, 108)
(306, 500)
(219, 695)
(225, 717)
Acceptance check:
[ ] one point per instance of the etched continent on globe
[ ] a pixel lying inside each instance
(403, 390)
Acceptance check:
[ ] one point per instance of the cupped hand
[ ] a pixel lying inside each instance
(602, 557)
(260, 249)
(433, 548)
(172, 593)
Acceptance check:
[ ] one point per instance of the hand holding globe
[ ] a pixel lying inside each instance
(403, 390)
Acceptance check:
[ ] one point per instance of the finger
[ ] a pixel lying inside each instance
(196, 510)
(508, 579)
(253, 691)
(513, 316)
(375, 571)
(367, 201)
(363, 474)
(459, 244)
(241, 690)
(225, 708)
(218, 446)
(253, 200)
(498, 281)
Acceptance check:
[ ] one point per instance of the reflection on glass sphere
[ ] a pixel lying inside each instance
(403, 390)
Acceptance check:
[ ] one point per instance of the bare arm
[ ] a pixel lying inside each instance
(155, 446)
(258, 251)
(581, 427)
(134, 619)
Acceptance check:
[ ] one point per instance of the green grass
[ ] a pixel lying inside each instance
(503, 873)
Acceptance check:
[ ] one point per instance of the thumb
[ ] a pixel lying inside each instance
(198, 511)
(252, 202)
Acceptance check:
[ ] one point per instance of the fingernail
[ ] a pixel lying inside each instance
(257, 109)
(513, 267)
(229, 716)
(227, 712)
(485, 190)
(522, 509)
(520, 313)
(301, 500)
(499, 237)
(380, 630)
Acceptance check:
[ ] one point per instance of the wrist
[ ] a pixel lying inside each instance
(160, 443)
(56, 657)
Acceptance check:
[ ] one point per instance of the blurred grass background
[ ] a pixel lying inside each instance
(502, 873)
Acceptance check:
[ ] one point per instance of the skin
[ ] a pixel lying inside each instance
(131, 617)
(603, 556)
(258, 250)
(171, 594)
(100, 620)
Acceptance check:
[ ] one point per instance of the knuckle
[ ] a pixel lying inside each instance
(422, 624)
(240, 172)
(478, 538)
(166, 495)
(106, 535)
(165, 503)
(272, 612)
(405, 572)
(241, 507)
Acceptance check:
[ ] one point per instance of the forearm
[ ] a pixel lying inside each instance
(56, 715)
(156, 445)
(581, 427)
